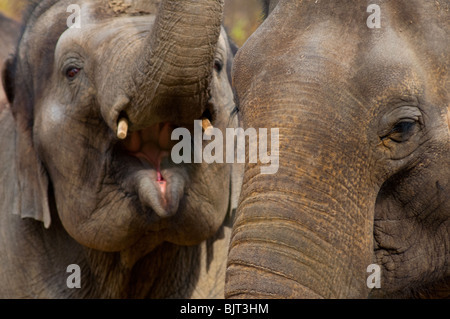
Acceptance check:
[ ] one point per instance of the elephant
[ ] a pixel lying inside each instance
(87, 212)
(360, 205)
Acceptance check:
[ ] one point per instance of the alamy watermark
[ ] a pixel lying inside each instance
(213, 151)
(235, 152)
(374, 279)
(74, 279)
(374, 20)
(74, 20)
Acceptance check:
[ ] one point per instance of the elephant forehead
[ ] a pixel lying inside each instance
(318, 57)
(133, 6)
(113, 32)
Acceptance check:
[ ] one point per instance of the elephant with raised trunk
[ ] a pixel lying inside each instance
(361, 96)
(73, 193)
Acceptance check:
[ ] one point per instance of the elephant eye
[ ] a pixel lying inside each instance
(72, 72)
(218, 65)
(402, 131)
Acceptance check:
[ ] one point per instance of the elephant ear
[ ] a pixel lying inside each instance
(31, 196)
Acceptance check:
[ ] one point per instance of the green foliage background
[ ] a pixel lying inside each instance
(242, 18)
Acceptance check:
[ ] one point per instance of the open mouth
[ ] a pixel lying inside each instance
(158, 182)
(156, 186)
(151, 145)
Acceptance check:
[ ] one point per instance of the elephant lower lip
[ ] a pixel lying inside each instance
(162, 195)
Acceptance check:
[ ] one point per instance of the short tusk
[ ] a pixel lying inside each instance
(207, 126)
(122, 129)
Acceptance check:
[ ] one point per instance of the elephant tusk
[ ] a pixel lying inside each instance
(122, 128)
(207, 126)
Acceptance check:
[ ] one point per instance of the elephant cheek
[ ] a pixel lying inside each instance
(48, 125)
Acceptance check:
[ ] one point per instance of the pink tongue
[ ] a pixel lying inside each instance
(154, 154)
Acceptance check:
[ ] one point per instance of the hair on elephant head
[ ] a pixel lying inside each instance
(364, 172)
(118, 207)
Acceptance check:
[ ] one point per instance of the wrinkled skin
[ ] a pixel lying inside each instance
(364, 174)
(137, 224)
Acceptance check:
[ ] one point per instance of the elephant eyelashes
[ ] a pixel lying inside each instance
(72, 72)
(402, 131)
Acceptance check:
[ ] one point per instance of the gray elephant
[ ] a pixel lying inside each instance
(360, 205)
(91, 204)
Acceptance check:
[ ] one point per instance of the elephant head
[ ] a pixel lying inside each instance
(68, 89)
(363, 114)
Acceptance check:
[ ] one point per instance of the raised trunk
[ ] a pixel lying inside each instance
(174, 69)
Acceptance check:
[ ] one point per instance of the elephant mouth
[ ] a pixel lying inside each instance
(159, 184)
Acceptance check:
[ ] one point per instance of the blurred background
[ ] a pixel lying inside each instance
(242, 17)
(12, 8)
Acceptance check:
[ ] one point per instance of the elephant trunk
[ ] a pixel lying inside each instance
(306, 232)
(173, 70)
